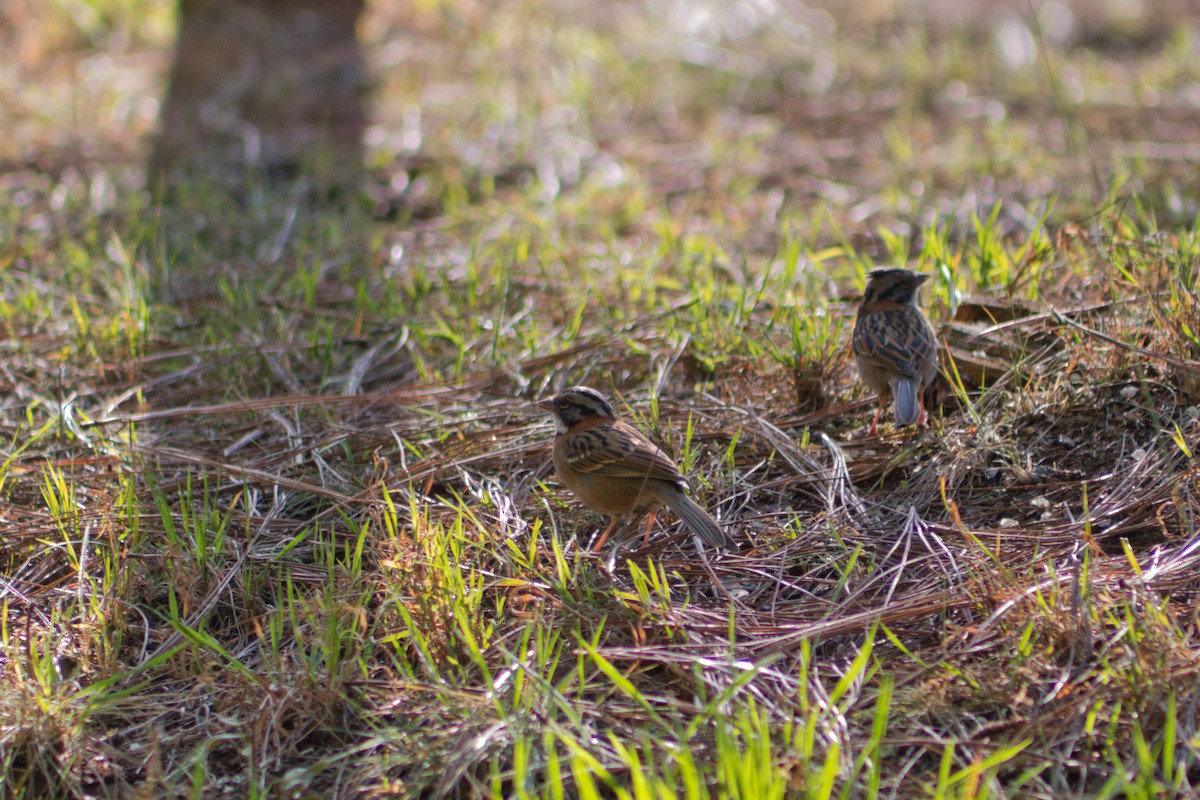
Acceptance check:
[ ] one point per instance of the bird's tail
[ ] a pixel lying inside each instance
(907, 401)
(697, 518)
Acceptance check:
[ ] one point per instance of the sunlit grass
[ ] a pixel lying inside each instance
(278, 518)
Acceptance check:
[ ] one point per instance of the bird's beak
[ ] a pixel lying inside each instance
(922, 277)
(546, 405)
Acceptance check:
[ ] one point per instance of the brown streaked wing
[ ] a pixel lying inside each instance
(895, 339)
(619, 451)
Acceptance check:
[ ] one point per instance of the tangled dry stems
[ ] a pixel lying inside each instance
(1000, 549)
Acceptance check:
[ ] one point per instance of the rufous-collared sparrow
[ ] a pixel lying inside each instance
(617, 471)
(894, 345)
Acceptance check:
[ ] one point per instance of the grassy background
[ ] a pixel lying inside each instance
(293, 533)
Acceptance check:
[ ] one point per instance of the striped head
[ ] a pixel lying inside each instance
(893, 285)
(576, 404)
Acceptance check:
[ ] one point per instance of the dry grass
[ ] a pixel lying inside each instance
(296, 534)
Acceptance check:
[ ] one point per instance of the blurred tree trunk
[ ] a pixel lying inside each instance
(273, 87)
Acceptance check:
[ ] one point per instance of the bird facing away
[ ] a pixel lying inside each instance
(895, 347)
(617, 471)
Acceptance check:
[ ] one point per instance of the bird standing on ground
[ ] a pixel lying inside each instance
(895, 347)
(617, 471)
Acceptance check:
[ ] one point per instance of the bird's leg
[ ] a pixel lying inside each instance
(604, 536)
(649, 525)
(923, 416)
(874, 431)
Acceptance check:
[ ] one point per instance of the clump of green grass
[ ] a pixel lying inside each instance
(292, 530)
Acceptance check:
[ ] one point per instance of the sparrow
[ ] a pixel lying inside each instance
(617, 471)
(895, 347)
